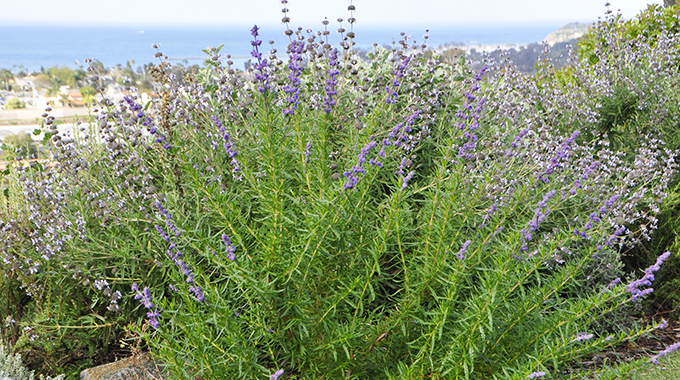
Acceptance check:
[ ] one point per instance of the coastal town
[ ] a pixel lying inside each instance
(24, 94)
(68, 92)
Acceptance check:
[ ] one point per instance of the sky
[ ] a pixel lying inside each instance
(309, 13)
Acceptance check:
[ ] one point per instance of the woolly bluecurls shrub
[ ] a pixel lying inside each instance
(329, 217)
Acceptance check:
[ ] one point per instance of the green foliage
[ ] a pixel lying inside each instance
(88, 94)
(14, 103)
(5, 77)
(64, 76)
(18, 146)
(617, 112)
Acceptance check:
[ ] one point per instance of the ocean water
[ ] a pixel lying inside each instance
(33, 47)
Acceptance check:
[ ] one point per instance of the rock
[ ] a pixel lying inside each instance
(133, 368)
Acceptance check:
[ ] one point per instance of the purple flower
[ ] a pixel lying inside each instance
(133, 106)
(276, 375)
(353, 174)
(145, 298)
(153, 318)
(292, 89)
(615, 235)
(582, 336)
(615, 282)
(536, 374)
(229, 148)
(230, 249)
(261, 64)
(543, 203)
(662, 325)
(559, 155)
(647, 279)
(470, 117)
(392, 94)
(331, 82)
(610, 202)
(668, 350)
(464, 249)
(408, 177)
(197, 292)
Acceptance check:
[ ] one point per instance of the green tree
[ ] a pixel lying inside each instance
(88, 94)
(5, 77)
(19, 146)
(14, 103)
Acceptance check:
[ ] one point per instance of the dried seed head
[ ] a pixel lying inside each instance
(288, 32)
(351, 8)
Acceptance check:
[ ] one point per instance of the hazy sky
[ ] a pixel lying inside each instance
(308, 13)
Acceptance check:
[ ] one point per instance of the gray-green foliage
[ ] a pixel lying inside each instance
(12, 367)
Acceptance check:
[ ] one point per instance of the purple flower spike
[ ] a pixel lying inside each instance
(229, 148)
(392, 94)
(261, 64)
(197, 292)
(230, 249)
(153, 318)
(668, 350)
(408, 177)
(647, 279)
(331, 82)
(469, 116)
(464, 249)
(353, 175)
(295, 65)
(145, 298)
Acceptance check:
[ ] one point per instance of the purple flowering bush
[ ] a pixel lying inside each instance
(322, 216)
